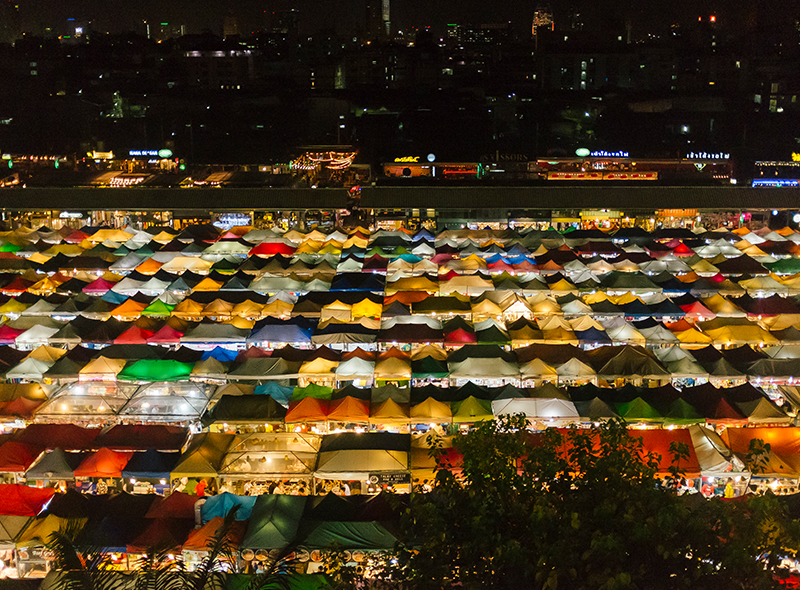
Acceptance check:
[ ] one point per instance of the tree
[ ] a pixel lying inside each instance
(80, 567)
(581, 508)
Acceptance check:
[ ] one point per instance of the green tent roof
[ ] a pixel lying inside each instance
(638, 410)
(472, 409)
(158, 308)
(681, 412)
(312, 390)
(274, 521)
(156, 370)
(369, 536)
(429, 367)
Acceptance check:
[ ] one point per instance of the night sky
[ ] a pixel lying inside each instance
(347, 15)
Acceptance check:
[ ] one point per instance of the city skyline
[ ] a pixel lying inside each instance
(35, 16)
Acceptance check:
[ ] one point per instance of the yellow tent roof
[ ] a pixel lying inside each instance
(39, 257)
(39, 531)
(432, 350)
(218, 307)
(188, 308)
(318, 366)
(44, 287)
(241, 323)
(392, 368)
(13, 306)
(47, 353)
(103, 366)
(207, 284)
(431, 410)
(163, 237)
(248, 309)
(115, 235)
(65, 249)
(537, 368)
(366, 308)
(388, 412)
(277, 308)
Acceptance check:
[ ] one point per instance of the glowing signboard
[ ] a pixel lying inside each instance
(707, 156)
(605, 154)
(407, 159)
(163, 153)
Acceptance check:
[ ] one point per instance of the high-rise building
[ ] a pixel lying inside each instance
(378, 24)
(230, 26)
(10, 27)
(542, 20)
(283, 22)
(162, 31)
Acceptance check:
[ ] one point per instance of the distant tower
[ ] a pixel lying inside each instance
(378, 23)
(542, 19)
(10, 27)
(230, 26)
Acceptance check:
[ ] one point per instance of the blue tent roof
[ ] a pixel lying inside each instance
(356, 281)
(278, 392)
(592, 335)
(281, 331)
(223, 355)
(224, 503)
(151, 464)
(113, 297)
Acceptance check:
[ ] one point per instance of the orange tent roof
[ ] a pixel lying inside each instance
(308, 409)
(199, 539)
(104, 463)
(149, 267)
(349, 409)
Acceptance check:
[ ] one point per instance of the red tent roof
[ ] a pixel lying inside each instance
(134, 335)
(176, 505)
(135, 437)
(103, 463)
(22, 407)
(68, 437)
(16, 456)
(18, 285)
(271, 249)
(19, 500)
(164, 533)
(76, 237)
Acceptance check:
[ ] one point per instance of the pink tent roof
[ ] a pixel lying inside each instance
(9, 335)
(166, 335)
(98, 286)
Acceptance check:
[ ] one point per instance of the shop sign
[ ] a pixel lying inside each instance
(163, 153)
(70, 215)
(776, 182)
(707, 156)
(391, 479)
(407, 159)
(795, 157)
(604, 154)
(582, 152)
